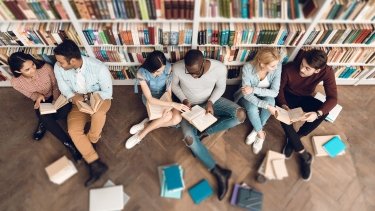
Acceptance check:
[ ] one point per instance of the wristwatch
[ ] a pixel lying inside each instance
(318, 114)
(85, 97)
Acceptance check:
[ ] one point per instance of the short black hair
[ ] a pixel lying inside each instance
(315, 58)
(193, 57)
(17, 59)
(68, 49)
(154, 61)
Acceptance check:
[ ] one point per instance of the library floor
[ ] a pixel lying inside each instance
(344, 183)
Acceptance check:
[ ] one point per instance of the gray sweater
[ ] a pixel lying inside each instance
(211, 86)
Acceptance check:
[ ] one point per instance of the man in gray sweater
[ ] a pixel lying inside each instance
(199, 81)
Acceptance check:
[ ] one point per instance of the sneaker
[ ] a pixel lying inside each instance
(132, 141)
(288, 149)
(138, 127)
(305, 166)
(251, 137)
(257, 146)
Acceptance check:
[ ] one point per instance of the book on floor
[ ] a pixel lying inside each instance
(317, 143)
(334, 146)
(50, 108)
(198, 117)
(107, 198)
(200, 191)
(92, 106)
(273, 166)
(289, 116)
(156, 111)
(61, 170)
(164, 191)
(109, 183)
(249, 198)
(173, 178)
(334, 113)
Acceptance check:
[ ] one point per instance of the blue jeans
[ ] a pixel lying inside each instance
(257, 116)
(226, 112)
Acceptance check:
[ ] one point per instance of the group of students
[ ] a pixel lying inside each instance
(193, 81)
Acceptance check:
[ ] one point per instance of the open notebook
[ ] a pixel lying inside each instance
(289, 116)
(197, 116)
(156, 111)
(49, 108)
(95, 102)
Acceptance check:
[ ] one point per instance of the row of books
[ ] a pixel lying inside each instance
(252, 9)
(351, 10)
(138, 34)
(40, 34)
(244, 34)
(133, 9)
(342, 34)
(351, 55)
(350, 71)
(32, 10)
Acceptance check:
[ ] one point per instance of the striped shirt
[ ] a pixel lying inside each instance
(44, 83)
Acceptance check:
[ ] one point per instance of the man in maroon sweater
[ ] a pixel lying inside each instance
(298, 82)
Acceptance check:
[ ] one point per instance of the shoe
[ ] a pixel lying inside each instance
(73, 150)
(138, 127)
(222, 177)
(288, 149)
(39, 132)
(305, 166)
(96, 169)
(251, 137)
(132, 141)
(257, 146)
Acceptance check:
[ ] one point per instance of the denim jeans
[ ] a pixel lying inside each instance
(226, 112)
(257, 116)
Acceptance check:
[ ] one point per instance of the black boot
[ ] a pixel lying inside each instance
(73, 150)
(39, 132)
(96, 169)
(222, 177)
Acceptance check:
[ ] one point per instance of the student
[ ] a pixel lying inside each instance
(77, 77)
(260, 86)
(35, 79)
(155, 78)
(298, 83)
(199, 81)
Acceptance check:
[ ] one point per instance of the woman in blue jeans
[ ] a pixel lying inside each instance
(154, 76)
(260, 86)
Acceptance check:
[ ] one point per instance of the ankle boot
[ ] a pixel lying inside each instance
(73, 150)
(222, 176)
(96, 169)
(39, 132)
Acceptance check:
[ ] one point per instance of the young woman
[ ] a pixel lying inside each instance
(35, 79)
(154, 76)
(260, 86)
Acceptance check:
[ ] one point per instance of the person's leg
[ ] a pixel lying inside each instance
(264, 113)
(40, 129)
(171, 118)
(254, 118)
(98, 121)
(310, 104)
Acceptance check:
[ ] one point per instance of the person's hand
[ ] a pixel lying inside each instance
(285, 107)
(209, 108)
(77, 98)
(181, 107)
(310, 116)
(166, 112)
(187, 103)
(272, 110)
(247, 90)
(38, 100)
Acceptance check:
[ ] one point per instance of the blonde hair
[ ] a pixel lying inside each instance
(265, 56)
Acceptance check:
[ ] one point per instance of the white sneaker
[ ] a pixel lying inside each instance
(258, 144)
(132, 141)
(138, 127)
(251, 137)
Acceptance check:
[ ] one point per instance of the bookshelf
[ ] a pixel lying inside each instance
(206, 17)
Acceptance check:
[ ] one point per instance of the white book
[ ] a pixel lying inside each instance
(109, 183)
(107, 199)
(197, 116)
(49, 108)
(334, 113)
(61, 170)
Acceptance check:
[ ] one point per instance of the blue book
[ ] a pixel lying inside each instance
(334, 146)
(201, 191)
(173, 179)
(163, 186)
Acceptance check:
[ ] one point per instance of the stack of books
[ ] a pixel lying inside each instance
(61, 170)
(273, 166)
(246, 197)
(171, 181)
(330, 145)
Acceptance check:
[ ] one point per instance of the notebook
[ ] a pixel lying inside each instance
(200, 191)
(107, 199)
(334, 146)
(109, 183)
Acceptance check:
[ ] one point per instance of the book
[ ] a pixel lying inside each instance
(93, 106)
(317, 143)
(200, 191)
(49, 108)
(279, 168)
(61, 170)
(107, 198)
(233, 199)
(156, 111)
(273, 166)
(334, 146)
(249, 198)
(289, 116)
(334, 113)
(198, 118)
(173, 178)
(176, 194)
(109, 183)
(309, 8)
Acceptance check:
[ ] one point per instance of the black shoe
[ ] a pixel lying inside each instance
(305, 165)
(222, 177)
(288, 149)
(39, 132)
(73, 150)
(96, 169)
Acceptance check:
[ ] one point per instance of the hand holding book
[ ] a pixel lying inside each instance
(310, 117)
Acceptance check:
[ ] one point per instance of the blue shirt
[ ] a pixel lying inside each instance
(97, 77)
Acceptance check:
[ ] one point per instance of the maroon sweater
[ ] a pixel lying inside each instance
(292, 82)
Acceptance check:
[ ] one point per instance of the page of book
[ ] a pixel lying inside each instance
(95, 101)
(193, 113)
(47, 108)
(289, 116)
(204, 121)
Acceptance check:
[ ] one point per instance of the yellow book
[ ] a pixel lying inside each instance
(289, 116)
(95, 102)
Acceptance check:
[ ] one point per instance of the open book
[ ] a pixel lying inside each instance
(289, 116)
(95, 102)
(156, 111)
(49, 108)
(197, 116)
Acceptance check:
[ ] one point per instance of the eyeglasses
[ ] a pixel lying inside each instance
(201, 70)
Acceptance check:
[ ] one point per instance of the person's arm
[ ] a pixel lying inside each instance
(55, 88)
(220, 86)
(176, 88)
(280, 99)
(105, 83)
(273, 91)
(330, 89)
(63, 86)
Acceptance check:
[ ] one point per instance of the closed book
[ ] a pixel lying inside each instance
(233, 199)
(334, 146)
(61, 170)
(249, 198)
(173, 178)
(201, 191)
(317, 143)
(107, 198)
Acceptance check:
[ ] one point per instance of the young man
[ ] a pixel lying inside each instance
(199, 81)
(78, 76)
(298, 82)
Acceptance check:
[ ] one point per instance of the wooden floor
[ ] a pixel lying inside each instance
(343, 183)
